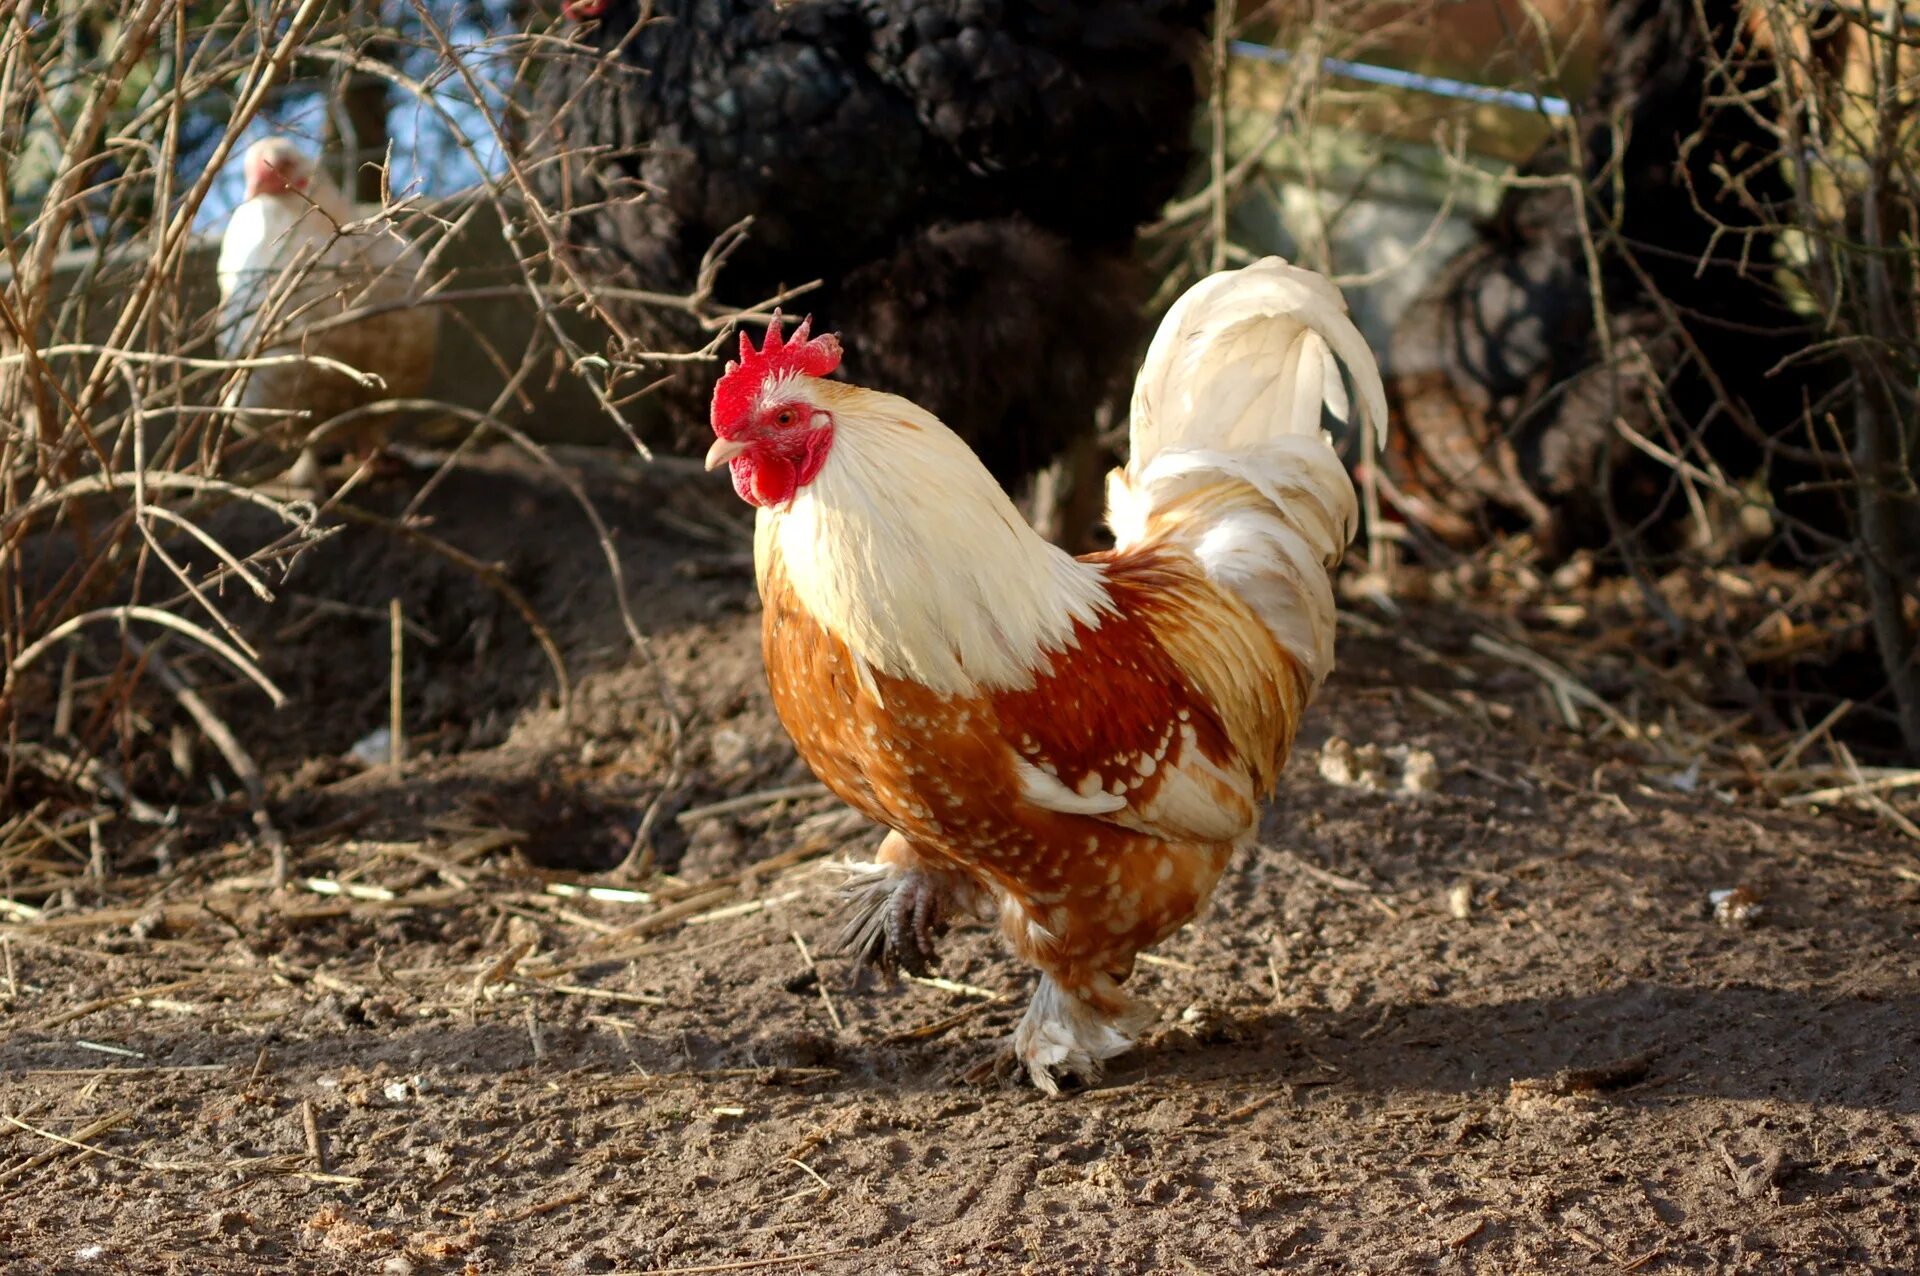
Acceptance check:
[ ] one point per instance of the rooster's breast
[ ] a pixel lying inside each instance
(908, 757)
(939, 770)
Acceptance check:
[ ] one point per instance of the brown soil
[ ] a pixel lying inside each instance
(1491, 1028)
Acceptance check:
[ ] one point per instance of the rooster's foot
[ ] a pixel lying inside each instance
(915, 921)
(894, 917)
(1064, 1035)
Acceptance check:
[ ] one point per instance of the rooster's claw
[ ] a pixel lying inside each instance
(894, 915)
(916, 917)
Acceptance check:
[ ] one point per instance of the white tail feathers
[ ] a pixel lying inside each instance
(1228, 456)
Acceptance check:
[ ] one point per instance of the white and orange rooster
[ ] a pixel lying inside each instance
(1071, 746)
(294, 267)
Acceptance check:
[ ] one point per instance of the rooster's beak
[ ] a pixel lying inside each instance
(722, 451)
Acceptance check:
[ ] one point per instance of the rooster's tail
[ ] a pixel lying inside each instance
(1229, 459)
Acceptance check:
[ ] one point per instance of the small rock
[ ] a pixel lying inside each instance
(1575, 573)
(1687, 781)
(1351, 766)
(1736, 908)
(1364, 766)
(1420, 773)
(375, 748)
(729, 748)
(151, 924)
(523, 932)
(1460, 901)
(1212, 1025)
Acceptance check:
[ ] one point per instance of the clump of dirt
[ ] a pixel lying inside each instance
(555, 996)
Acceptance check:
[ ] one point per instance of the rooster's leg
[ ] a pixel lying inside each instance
(897, 908)
(1073, 1025)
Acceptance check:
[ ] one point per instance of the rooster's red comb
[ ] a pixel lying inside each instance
(798, 355)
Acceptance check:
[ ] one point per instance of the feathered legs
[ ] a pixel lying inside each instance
(897, 906)
(1079, 1017)
(1074, 1032)
(1085, 942)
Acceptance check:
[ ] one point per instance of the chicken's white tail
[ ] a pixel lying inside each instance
(1229, 459)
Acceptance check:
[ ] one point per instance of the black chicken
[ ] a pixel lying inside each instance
(1512, 413)
(966, 177)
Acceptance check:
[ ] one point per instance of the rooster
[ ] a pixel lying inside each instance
(293, 264)
(1073, 747)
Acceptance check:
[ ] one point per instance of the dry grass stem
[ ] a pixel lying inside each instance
(396, 687)
(91, 1130)
(752, 801)
(310, 1124)
(826, 998)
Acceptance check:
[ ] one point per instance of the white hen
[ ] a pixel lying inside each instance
(292, 263)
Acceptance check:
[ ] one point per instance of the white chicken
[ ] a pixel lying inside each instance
(293, 265)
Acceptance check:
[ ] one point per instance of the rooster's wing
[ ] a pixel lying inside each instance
(1123, 727)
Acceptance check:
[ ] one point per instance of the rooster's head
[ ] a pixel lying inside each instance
(769, 426)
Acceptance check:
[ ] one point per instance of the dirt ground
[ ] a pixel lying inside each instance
(1492, 1027)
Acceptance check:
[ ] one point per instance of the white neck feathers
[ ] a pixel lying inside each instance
(907, 550)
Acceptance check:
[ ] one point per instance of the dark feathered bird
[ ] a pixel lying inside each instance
(1516, 400)
(966, 177)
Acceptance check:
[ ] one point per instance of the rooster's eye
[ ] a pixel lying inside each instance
(785, 418)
